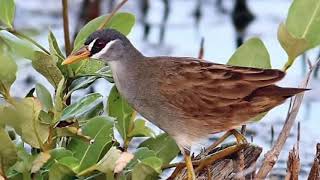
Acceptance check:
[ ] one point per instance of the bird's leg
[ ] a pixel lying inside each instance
(190, 170)
(240, 139)
(217, 156)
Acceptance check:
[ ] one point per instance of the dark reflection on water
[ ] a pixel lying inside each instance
(175, 27)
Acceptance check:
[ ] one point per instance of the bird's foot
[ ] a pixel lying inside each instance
(208, 160)
(239, 137)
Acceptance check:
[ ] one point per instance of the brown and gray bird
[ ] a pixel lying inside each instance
(186, 97)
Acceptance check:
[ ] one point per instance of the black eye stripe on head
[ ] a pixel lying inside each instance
(98, 45)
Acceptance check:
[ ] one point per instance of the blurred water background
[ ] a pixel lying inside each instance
(175, 27)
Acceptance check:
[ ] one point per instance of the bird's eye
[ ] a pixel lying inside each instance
(100, 43)
(98, 46)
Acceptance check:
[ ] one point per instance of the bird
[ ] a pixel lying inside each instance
(186, 97)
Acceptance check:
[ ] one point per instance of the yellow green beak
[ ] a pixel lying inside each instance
(82, 53)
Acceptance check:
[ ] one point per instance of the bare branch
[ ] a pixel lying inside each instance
(108, 18)
(272, 156)
(66, 32)
(201, 50)
(315, 169)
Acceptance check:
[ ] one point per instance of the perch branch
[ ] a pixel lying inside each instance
(272, 155)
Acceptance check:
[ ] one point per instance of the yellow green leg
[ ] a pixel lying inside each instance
(240, 139)
(190, 170)
(207, 161)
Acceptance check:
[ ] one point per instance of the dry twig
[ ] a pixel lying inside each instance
(106, 21)
(272, 156)
(315, 169)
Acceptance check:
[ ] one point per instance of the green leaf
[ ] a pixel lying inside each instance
(122, 111)
(252, 53)
(141, 154)
(140, 129)
(84, 105)
(56, 155)
(61, 172)
(46, 66)
(164, 147)
(17, 46)
(108, 162)
(81, 83)
(100, 129)
(23, 117)
(303, 21)
(8, 151)
(58, 101)
(87, 67)
(44, 97)
(147, 166)
(7, 11)
(56, 54)
(292, 45)
(8, 70)
(142, 171)
(123, 22)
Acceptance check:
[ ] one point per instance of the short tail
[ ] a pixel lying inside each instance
(274, 90)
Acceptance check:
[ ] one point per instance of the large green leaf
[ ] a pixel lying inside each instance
(56, 155)
(23, 117)
(61, 172)
(145, 165)
(8, 70)
(44, 97)
(17, 46)
(56, 54)
(301, 30)
(141, 154)
(8, 151)
(122, 111)
(303, 20)
(108, 162)
(88, 67)
(7, 11)
(46, 66)
(122, 22)
(252, 53)
(100, 129)
(164, 147)
(292, 45)
(84, 105)
(140, 129)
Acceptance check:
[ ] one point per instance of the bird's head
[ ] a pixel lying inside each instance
(106, 45)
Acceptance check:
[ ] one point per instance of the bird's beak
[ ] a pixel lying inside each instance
(82, 53)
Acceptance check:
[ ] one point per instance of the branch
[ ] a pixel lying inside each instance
(66, 32)
(272, 155)
(106, 21)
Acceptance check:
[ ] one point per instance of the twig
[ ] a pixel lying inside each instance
(272, 155)
(315, 169)
(66, 32)
(201, 50)
(106, 21)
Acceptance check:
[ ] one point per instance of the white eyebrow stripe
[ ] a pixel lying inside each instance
(91, 44)
(103, 51)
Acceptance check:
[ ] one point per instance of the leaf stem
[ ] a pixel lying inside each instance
(66, 27)
(23, 36)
